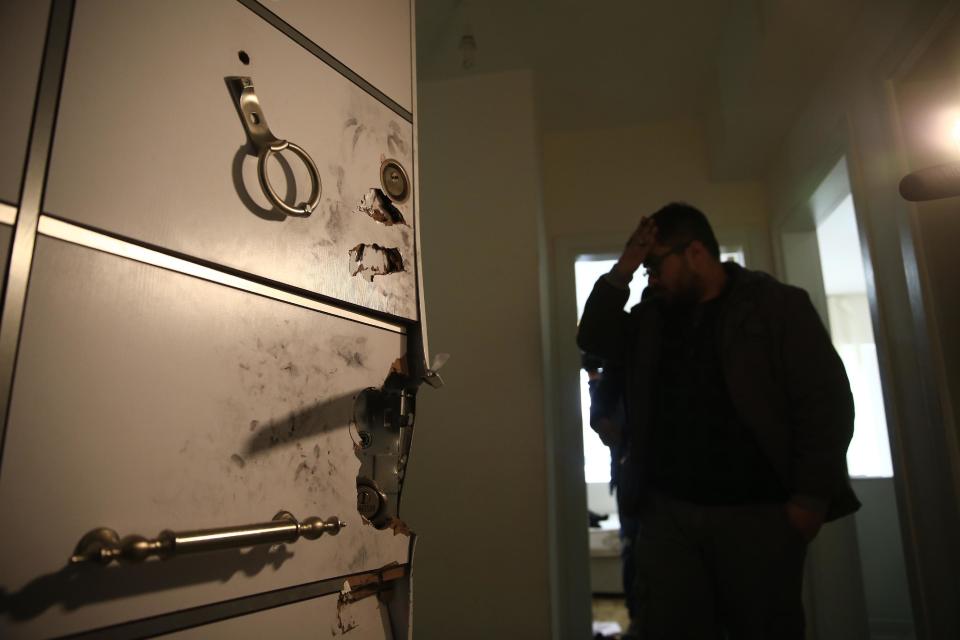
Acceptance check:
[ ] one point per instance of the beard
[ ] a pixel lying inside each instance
(687, 291)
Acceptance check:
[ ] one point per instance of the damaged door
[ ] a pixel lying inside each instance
(210, 388)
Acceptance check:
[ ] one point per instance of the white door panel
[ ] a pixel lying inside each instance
(6, 233)
(371, 37)
(21, 49)
(317, 618)
(147, 400)
(149, 146)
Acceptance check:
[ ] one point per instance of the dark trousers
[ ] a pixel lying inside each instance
(718, 572)
(629, 526)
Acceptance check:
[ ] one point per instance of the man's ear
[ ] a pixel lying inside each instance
(697, 250)
(699, 254)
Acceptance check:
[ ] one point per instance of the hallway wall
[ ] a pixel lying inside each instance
(476, 492)
(599, 182)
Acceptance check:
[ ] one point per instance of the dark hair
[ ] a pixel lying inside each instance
(679, 222)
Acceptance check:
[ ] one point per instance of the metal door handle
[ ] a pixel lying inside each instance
(266, 144)
(103, 545)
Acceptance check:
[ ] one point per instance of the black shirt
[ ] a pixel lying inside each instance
(700, 450)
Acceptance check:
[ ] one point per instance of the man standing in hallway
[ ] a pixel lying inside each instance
(740, 414)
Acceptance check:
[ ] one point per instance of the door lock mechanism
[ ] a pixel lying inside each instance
(394, 180)
(383, 419)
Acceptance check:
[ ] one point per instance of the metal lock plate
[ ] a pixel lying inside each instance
(383, 420)
(394, 180)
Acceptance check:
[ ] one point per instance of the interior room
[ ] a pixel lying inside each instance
(206, 323)
(767, 115)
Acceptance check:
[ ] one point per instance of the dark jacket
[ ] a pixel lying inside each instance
(607, 401)
(784, 377)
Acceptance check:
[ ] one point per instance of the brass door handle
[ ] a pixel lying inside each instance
(103, 545)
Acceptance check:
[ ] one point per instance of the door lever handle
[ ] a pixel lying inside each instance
(103, 546)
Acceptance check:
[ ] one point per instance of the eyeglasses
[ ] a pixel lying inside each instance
(653, 263)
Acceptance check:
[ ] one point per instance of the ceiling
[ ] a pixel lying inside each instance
(745, 67)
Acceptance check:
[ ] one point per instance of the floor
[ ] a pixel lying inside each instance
(610, 609)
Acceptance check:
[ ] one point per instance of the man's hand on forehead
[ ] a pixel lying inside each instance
(638, 246)
(646, 233)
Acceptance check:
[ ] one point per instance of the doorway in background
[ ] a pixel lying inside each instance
(856, 583)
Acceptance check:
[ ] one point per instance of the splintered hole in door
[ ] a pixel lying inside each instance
(244, 58)
(371, 260)
(380, 207)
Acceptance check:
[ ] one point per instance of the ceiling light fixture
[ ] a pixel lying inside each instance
(942, 180)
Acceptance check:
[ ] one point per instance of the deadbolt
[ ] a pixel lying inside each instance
(372, 503)
(394, 180)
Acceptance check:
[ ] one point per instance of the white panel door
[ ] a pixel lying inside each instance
(148, 400)
(6, 233)
(149, 146)
(21, 47)
(371, 37)
(190, 357)
(324, 617)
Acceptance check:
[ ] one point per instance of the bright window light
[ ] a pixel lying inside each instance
(587, 270)
(851, 328)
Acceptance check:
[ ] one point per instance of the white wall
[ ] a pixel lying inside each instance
(599, 498)
(885, 590)
(599, 182)
(476, 492)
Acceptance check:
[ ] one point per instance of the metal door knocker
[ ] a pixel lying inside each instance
(266, 144)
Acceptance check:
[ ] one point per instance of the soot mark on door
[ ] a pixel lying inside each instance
(395, 140)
